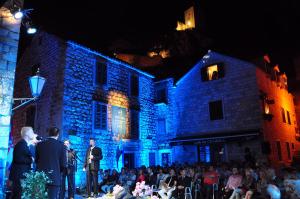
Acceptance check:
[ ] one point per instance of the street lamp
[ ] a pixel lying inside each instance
(36, 86)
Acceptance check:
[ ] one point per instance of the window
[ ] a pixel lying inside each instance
(216, 110)
(283, 115)
(288, 150)
(101, 73)
(119, 121)
(152, 159)
(288, 117)
(204, 153)
(161, 126)
(212, 72)
(134, 85)
(100, 116)
(279, 150)
(165, 159)
(134, 124)
(161, 95)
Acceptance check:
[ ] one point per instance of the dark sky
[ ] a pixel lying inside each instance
(245, 27)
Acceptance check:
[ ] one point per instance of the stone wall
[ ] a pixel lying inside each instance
(9, 41)
(47, 53)
(275, 129)
(79, 94)
(241, 108)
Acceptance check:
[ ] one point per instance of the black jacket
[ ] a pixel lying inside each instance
(95, 163)
(51, 157)
(22, 159)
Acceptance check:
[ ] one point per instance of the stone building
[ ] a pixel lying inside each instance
(225, 106)
(88, 94)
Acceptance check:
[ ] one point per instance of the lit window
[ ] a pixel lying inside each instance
(212, 72)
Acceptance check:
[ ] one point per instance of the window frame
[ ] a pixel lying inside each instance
(131, 85)
(221, 71)
(283, 115)
(131, 125)
(94, 109)
(95, 81)
(210, 113)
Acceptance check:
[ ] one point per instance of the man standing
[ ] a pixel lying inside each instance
(92, 165)
(69, 172)
(21, 163)
(51, 158)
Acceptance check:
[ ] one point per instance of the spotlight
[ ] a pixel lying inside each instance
(18, 14)
(30, 28)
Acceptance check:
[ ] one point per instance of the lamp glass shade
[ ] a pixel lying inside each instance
(36, 85)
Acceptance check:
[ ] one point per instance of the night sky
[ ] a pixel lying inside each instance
(241, 28)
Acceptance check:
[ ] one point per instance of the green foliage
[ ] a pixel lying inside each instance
(34, 185)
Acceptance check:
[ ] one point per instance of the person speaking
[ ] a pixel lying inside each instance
(92, 166)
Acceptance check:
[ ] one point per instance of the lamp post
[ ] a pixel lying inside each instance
(36, 86)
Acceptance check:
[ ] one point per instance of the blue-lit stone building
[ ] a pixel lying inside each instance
(88, 94)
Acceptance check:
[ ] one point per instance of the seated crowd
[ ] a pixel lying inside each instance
(226, 181)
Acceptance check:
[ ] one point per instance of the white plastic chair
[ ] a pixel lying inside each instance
(188, 193)
(197, 190)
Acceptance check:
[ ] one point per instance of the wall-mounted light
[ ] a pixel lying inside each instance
(36, 86)
(30, 29)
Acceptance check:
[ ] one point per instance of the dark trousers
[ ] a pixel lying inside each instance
(53, 191)
(16, 190)
(70, 176)
(92, 181)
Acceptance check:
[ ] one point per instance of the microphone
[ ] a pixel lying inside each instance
(40, 138)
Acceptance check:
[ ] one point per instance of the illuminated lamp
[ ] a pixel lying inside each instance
(30, 29)
(36, 86)
(17, 13)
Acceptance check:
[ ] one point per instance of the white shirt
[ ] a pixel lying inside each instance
(90, 158)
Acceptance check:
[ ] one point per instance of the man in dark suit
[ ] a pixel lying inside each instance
(92, 166)
(51, 157)
(21, 163)
(69, 173)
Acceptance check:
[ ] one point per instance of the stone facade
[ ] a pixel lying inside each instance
(278, 129)
(239, 91)
(9, 41)
(70, 92)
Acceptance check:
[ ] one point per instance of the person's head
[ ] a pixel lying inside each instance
(92, 142)
(248, 172)
(235, 170)
(211, 168)
(183, 172)
(67, 143)
(27, 133)
(172, 172)
(53, 132)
